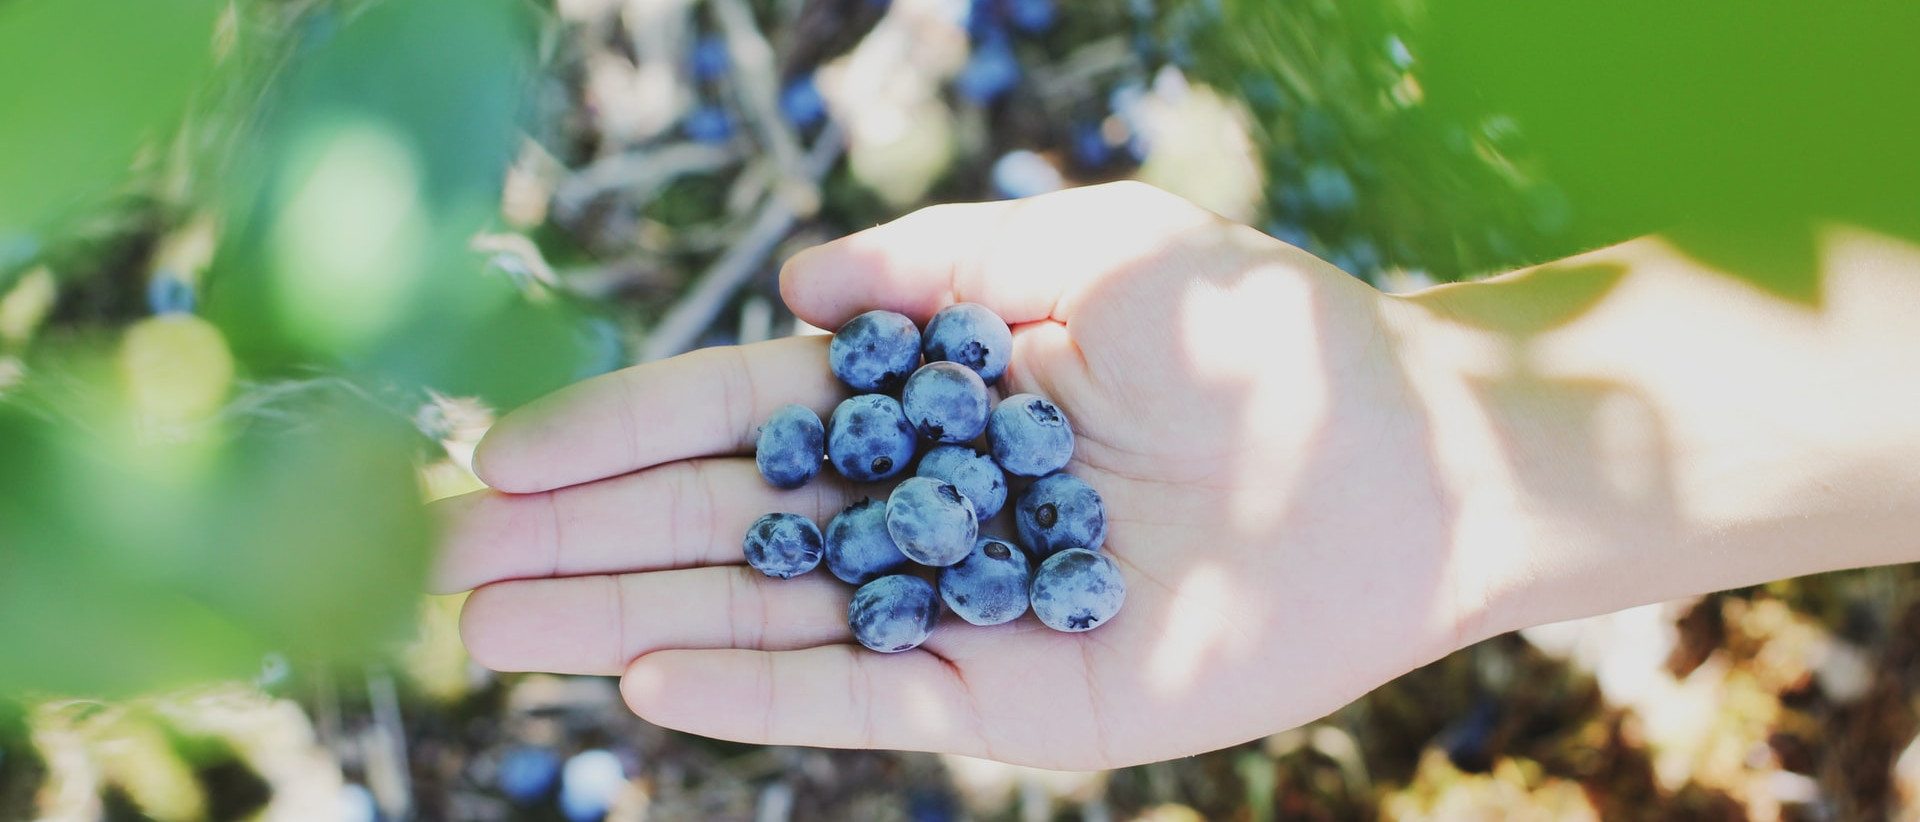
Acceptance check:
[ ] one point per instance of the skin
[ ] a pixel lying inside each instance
(1312, 487)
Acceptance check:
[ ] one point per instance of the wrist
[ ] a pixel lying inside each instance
(1631, 425)
(1487, 525)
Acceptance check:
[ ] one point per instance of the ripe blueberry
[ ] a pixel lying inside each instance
(971, 335)
(946, 402)
(783, 545)
(1077, 590)
(791, 446)
(931, 522)
(975, 474)
(893, 613)
(1029, 436)
(875, 351)
(988, 586)
(1058, 512)
(868, 438)
(527, 773)
(589, 782)
(858, 547)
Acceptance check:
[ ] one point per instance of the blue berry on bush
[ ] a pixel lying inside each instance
(1058, 512)
(975, 474)
(589, 783)
(971, 335)
(791, 446)
(709, 124)
(527, 773)
(859, 550)
(783, 545)
(989, 585)
(893, 613)
(931, 522)
(1029, 436)
(710, 59)
(869, 439)
(1077, 590)
(1031, 16)
(946, 402)
(875, 351)
(801, 103)
(991, 71)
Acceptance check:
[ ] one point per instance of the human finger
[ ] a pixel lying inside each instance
(679, 515)
(703, 403)
(1025, 259)
(836, 696)
(597, 624)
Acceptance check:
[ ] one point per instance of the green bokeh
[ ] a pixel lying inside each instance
(444, 82)
(293, 522)
(134, 567)
(1543, 129)
(85, 86)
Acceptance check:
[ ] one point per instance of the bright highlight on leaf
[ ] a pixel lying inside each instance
(351, 237)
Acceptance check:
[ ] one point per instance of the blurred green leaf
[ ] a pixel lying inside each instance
(86, 85)
(130, 568)
(1738, 126)
(384, 151)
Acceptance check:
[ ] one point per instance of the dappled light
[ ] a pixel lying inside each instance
(351, 236)
(380, 382)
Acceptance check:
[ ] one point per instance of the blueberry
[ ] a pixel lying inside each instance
(1029, 436)
(990, 71)
(989, 585)
(869, 439)
(709, 124)
(357, 804)
(1077, 590)
(859, 550)
(946, 402)
(875, 351)
(971, 335)
(979, 479)
(710, 59)
(893, 613)
(1329, 190)
(1031, 16)
(783, 545)
(801, 103)
(1022, 173)
(589, 783)
(931, 522)
(527, 773)
(167, 294)
(1059, 512)
(1090, 146)
(791, 446)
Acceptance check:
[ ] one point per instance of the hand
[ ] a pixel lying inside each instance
(1273, 502)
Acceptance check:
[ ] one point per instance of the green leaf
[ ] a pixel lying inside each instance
(126, 568)
(383, 154)
(87, 84)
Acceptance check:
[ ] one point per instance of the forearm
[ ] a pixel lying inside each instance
(1631, 425)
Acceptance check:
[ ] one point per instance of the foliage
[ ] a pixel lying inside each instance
(180, 494)
(1486, 134)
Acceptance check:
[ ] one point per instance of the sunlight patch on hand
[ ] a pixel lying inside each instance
(1194, 629)
(1260, 336)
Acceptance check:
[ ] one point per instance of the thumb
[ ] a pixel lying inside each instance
(1025, 259)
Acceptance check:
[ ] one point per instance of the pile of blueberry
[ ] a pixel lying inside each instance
(923, 545)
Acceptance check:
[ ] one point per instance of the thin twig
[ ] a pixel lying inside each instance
(678, 331)
(758, 87)
(641, 174)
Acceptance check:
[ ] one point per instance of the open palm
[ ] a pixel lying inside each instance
(1273, 503)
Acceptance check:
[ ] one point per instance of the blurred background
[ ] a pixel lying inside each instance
(269, 268)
